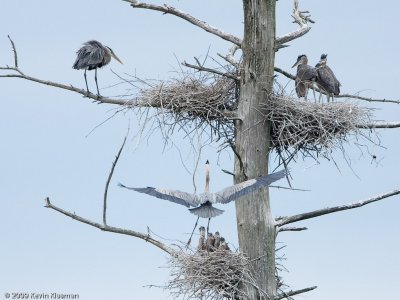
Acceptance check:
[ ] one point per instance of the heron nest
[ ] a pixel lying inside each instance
(210, 275)
(297, 126)
(313, 128)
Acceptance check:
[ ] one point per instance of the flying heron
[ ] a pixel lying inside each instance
(203, 203)
(91, 56)
(305, 76)
(327, 81)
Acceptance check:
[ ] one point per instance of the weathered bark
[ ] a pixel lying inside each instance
(256, 226)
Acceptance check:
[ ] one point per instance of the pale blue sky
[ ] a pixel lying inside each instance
(45, 151)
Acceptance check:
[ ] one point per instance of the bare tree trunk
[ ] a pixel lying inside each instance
(255, 223)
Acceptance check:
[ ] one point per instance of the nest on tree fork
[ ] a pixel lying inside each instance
(193, 97)
(296, 126)
(209, 275)
(313, 127)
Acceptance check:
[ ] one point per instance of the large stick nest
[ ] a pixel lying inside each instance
(308, 126)
(297, 126)
(210, 275)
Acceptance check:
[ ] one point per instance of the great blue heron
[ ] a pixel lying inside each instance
(202, 243)
(91, 56)
(305, 76)
(217, 239)
(223, 245)
(327, 81)
(210, 242)
(203, 203)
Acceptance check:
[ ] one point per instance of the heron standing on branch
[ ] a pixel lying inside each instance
(306, 76)
(203, 203)
(91, 56)
(327, 81)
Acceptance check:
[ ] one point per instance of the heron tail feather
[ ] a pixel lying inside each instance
(206, 211)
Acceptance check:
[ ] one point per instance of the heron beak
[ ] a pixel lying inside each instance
(295, 65)
(116, 58)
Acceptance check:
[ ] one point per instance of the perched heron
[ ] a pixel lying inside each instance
(223, 245)
(91, 56)
(202, 244)
(217, 240)
(327, 81)
(210, 242)
(203, 203)
(305, 76)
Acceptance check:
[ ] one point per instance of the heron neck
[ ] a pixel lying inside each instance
(207, 187)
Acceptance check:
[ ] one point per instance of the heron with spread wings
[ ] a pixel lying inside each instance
(203, 203)
(91, 56)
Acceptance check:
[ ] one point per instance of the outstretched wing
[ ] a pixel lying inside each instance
(238, 190)
(178, 197)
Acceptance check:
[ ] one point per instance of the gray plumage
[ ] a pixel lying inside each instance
(223, 245)
(202, 203)
(305, 77)
(201, 245)
(210, 242)
(327, 81)
(91, 56)
(217, 240)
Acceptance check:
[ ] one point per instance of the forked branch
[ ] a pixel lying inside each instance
(329, 210)
(145, 237)
(166, 9)
(302, 19)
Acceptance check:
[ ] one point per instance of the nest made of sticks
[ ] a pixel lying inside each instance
(193, 97)
(297, 126)
(209, 275)
(313, 127)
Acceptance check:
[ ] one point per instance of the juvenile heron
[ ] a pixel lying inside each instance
(217, 240)
(202, 244)
(91, 56)
(305, 76)
(327, 81)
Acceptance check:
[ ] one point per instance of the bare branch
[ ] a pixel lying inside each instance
(109, 179)
(316, 213)
(230, 56)
(302, 20)
(139, 235)
(292, 229)
(293, 293)
(380, 125)
(293, 77)
(71, 88)
(367, 99)
(166, 9)
(201, 68)
(15, 52)
(287, 74)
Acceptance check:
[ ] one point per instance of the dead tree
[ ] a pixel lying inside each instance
(250, 127)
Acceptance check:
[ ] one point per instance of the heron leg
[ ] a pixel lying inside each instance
(87, 88)
(313, 90)
(95, 79)
(208, 224)
(195, 225)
